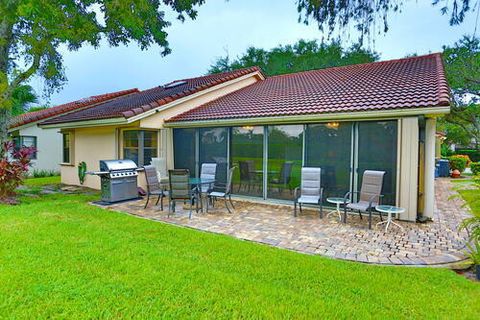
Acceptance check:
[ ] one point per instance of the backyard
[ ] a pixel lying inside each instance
(61, 257)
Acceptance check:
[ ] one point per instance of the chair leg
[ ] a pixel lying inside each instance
(370, 218)
(169, 207)
(158, 199)
(300, 206)
(230, 199)
(360, 213)
(146, 203)
(190, 214)
(295, 208)
(344, 214)
(321, 211)
(226, 204)
(161, 203)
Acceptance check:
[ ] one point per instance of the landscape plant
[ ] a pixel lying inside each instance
(14, 164)
(475, 167)
(458, 162)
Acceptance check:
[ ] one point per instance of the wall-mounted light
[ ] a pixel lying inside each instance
(249, 128)
(333, 125)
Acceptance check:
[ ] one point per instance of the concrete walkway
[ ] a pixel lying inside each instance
(433, 243)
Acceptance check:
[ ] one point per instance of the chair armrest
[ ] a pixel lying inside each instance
(370, 200)
(295, 193)
(348, 194)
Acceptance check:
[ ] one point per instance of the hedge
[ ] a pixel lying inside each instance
(475, 167)
(473, 154)
(458, 163)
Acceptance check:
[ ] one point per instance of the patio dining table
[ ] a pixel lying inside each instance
(197, 183)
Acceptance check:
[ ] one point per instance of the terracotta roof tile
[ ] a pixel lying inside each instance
(414, 82)
(30, 117)
(146, 100)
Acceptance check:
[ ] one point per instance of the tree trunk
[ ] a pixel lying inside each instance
(4, 120)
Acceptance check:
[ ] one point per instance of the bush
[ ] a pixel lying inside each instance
(475, 167)
(44, 173)
(466, 158)
(472, 153)
(13, 168)
(458, 162)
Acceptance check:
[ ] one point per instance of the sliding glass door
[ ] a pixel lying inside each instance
(247, 155)
(377, 150)
(184, 146)
(284, 160)
(213, 144)
(329, 146)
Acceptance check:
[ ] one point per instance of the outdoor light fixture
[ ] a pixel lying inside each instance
(333, 125)
(249, 128)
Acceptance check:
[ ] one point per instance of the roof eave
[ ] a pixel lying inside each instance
(309, 118)
(88, 123)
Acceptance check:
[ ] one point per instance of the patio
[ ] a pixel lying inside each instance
(434, 243)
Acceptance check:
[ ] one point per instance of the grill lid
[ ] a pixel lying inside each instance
(117, 165)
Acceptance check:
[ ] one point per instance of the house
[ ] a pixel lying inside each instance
(25, 131)
(379, 116)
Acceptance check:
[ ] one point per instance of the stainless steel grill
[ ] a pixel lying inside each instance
(118, 180)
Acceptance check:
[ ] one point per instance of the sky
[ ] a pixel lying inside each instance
(231, 27)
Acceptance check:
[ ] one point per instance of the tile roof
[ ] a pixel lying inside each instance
(414, 82)
(146, 100)
(34, 116)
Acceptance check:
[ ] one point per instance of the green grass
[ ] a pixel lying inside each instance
(60, 257)
(42, 181)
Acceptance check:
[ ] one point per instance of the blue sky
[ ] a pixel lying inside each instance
(231, 26)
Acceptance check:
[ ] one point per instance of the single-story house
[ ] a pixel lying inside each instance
(379, 116)
(25, 131)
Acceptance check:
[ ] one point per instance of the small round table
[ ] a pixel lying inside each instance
(337, 201)
(389, 210)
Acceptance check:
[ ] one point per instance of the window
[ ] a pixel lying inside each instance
(66, 145)
(140, 146)
(184, 149)
(26, 141)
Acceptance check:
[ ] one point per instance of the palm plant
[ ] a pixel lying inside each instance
(22, 97)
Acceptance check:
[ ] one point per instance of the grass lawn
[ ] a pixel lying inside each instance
(60, 257)
(42, 181)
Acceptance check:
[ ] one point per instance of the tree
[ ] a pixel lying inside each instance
(462, 67)
(364, 15)
(22, 97)
(302, 56)
(32, 31)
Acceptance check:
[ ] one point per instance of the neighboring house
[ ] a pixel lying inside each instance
(25, 131)
(378, 116)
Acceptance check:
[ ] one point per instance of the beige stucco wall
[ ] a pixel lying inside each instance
(49, 146)
(89, 145)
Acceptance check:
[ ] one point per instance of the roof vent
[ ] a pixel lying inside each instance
(174, 84)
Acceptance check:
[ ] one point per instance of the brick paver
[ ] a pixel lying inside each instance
(431, 243)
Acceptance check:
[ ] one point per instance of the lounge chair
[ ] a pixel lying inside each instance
(369, 195)
(310, 191)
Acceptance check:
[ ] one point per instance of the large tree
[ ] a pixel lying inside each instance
(371, 16)
(462, 66)
(33, 31)
(302, 56)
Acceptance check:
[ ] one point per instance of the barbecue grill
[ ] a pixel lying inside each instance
(118, 180)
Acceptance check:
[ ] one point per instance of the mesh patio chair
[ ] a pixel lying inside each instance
(310, 191)
(208, 171)
(154, 188)
(282, 181)
(369, 195)
(180, 189)
(223, 191)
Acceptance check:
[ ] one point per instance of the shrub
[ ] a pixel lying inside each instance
(475, 167)
(458, 162)
(13, 168)
(466, 158)
(44, 173)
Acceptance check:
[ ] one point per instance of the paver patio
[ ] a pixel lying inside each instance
(433, 243)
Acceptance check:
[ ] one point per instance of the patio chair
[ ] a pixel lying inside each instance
(154, 188)
(369, 195)
(208, 171)
(223, 191)
(282, 181)
(310, 189)
(180, 189)
(247, 174)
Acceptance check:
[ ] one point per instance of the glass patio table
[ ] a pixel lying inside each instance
(389, 210)
(337, 201)
(198, 183)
